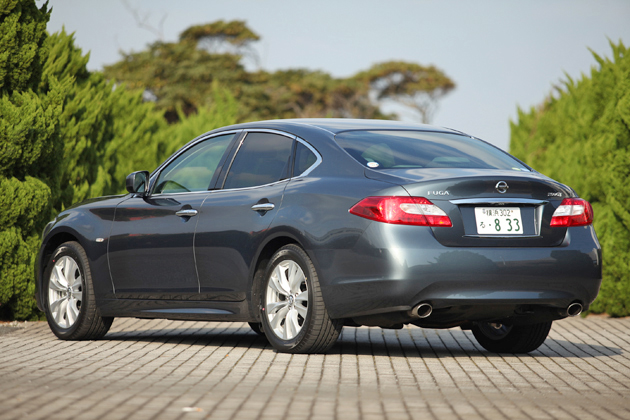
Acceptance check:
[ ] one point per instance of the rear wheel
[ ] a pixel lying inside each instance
(294, 317)
(256, 327)
(501, 338)
(69, 296)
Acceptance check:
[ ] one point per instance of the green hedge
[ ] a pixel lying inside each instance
(29, 149)
(580, 136)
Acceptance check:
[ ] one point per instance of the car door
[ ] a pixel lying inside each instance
(151, 244)
(235, 217)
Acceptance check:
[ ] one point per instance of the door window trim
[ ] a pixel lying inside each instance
(229, 155)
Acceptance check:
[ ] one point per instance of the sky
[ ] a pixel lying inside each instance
(502, 54)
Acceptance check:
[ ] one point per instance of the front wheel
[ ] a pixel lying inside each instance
(69, 296)
(293, 314)
(501, 338)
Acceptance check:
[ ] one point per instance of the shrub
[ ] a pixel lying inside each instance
(581, 136)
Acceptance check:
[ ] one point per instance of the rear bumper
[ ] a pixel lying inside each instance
(393, 268)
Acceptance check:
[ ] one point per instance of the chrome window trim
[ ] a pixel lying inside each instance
(156, 173)
(178, 193)
(194, 142)
(218, 191)
(251, 188)
(269, 130)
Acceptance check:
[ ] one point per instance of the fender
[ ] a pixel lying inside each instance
(88, 223)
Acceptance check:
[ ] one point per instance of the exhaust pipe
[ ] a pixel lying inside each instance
(422, 310)
(573, 309)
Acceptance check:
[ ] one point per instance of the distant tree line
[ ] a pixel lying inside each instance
(581, 136)
(67, 134)
(179, 76)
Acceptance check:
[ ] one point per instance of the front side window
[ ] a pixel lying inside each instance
(193, 170)
(263, 158)
(390, 149)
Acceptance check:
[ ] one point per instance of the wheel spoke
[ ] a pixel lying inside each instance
(282, 277)
(292, 322)
(60, 312)
(273, 307)
(286, 331)
(54, 306)
(302, 297)
(72, 312)
(276, 283)
(302, 310)
(296, 278)
(54, 283)
(277, 319)
(77, 295)
(67, 269)
(71, 275)
(61, 278)
(77, 292)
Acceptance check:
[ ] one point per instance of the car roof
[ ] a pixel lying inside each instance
(336, 125)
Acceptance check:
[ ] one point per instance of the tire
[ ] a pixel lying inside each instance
(293, 314)
(499, 338)
(257, 328)
(69, 300)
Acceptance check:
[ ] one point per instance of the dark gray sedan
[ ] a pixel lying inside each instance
(301, 227)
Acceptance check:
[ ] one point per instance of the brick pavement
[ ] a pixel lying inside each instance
(194, 370)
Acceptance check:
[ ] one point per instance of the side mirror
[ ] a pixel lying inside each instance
(137, 182)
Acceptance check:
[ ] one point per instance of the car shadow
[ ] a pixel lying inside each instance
(387, 346)
(228, 337)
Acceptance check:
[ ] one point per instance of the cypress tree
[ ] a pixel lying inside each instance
(581, 136)
(29, 150)
(67, 134)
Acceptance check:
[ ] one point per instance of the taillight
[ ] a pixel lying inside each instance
(401, 211)
(572, 212)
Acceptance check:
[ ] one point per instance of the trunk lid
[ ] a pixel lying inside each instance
(487, 208)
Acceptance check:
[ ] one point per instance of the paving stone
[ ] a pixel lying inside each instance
(160, 369)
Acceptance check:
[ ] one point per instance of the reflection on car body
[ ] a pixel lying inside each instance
(301, 227)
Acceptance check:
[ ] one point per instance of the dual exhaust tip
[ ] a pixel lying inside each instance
(424, 310)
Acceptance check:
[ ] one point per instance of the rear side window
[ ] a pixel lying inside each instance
(263, 158)
(304, 159)
(388, 149)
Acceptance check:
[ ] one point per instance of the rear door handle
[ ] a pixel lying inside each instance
(187, 213)
(263, 207)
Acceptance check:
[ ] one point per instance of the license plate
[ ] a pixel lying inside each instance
(499, 220)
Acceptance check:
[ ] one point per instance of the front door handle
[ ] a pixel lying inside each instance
(263, 207)
(187, 213)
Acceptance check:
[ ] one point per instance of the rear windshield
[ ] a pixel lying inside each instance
(387, 149)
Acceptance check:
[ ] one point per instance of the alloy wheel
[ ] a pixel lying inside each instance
(286, 305)
(65, 291)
